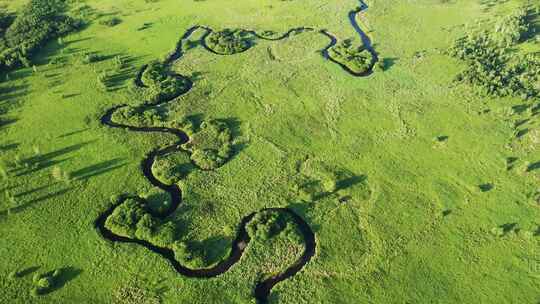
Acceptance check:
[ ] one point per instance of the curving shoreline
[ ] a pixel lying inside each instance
(366, 42)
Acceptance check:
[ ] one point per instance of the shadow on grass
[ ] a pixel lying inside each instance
(9, 147)
(120, 77)
(533, 167)
(66, 274)
(73, 133)
(47, 160)
(24, 206)
(27, 271)
(98, 169)
(4, 123)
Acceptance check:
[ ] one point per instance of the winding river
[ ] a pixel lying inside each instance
(263, 288)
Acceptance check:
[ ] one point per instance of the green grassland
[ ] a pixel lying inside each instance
(417, 187)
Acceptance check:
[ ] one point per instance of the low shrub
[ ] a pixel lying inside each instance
(111, 21)
(130, 219)
(171, 168)
(160, 85)
(229, 41)
(91, 58)
(45, 282)
(134, 294)
(493, 68)
(265, 225)
(157, 200)
(123, 221)
(36, 23)
(355, 58)
(211, 145)
(511, 29)
(138, 116)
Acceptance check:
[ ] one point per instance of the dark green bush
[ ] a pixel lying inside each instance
(111, 21)
(45, 282)
(130, 219)
(160, 85)
(356, 58)
(493, 70)
(493, 67)
(511, 29)
(38, 22)
(138, 116)
(123, 221)
(157, 200)
(265, 225)
(171, 168)
(210, 145)
(91, 58)
(229, 41)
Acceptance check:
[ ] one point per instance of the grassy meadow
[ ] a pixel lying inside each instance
(438, 199)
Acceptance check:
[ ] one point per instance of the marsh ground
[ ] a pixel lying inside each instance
(441, 200)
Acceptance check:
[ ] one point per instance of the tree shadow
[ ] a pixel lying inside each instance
(4, 123)
(27, 271)
(73, 133)
(486, 187)
(31, 191)
(43, 161)
(389, 62)
(128, 71)
(98, 169)
(214, 249)
(196, 76)
(233, 124)
(66, 96)
(508, 227)
(67, 274)
(350, 181)
(24, 206)
(533, 166)
(519, 109)
(9, 93)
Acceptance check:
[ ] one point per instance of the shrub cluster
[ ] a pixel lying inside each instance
(268, 224)
(229, 41)
(511, 29)
(492, 68)
(157, 200)
(189, 255)
(171, 168)
(211, 145)
(45, 282)
(130, 219)
(317, 180)
(139, 116)
(355, 58)
(112, 21)
(91, 58)
(38, 22)
(160, 85)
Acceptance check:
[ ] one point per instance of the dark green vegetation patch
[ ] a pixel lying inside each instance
(38, 22)
(160, 85)
(229, 41)
(173, 167)
(356, 59)
(494, 66)
(211, 145)
(131, 219)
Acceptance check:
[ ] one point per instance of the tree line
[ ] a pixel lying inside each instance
(24, 33)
